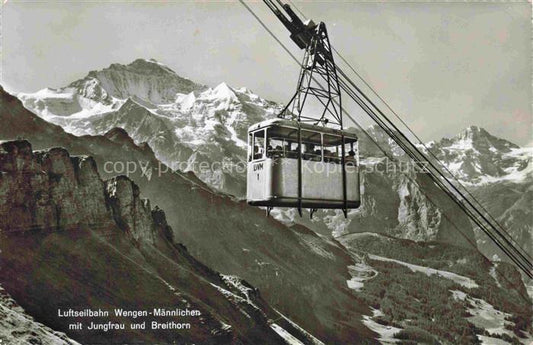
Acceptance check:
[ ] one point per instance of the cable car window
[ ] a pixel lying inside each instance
(312, 152)
(311, 146)
(275, 144)
(258, 144)
(332, 148)
(351, 153)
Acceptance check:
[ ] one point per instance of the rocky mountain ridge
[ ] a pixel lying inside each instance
(210, 126)
(186, 124)
(476, 157)
(197, 125)
(49, 197)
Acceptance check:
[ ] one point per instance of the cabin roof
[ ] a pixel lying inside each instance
(277, 122)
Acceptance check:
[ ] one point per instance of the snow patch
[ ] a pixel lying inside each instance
(360, 272)
(237, 283)
(461, 280)
(289, 338)
(366, 234)
(485, 340)
(386, 333)
(309, 336)
(494, 275)
(529, 288)
(186, 101)
(485, 316)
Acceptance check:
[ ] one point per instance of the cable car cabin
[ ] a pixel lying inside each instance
(278, 178)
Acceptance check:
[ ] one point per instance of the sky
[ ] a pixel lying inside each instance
(442, 66)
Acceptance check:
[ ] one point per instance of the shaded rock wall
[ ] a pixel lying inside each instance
(50, 189)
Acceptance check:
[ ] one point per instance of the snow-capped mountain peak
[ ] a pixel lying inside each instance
(477, 138)
(141, 66)
(475, 156)
(212, 121)
(223, 91)
(223, 96)
(181, 120)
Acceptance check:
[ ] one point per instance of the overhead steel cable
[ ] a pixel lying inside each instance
(416, 154)
(439, 177)
(523, 265)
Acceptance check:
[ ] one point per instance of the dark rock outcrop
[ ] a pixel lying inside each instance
(71, 240)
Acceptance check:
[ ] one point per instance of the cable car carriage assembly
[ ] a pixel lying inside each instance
(305, 159)
(308, 160)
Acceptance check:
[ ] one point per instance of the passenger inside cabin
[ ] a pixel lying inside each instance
(327, 155)
(310, 153)
(258, 152)
(331, 157)
(292, 152)
(350, 159)
(274, 152)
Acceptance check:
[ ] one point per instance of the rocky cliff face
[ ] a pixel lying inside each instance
(49, 189)
(131, 213)
(394, 204)
(71, 240)
(52, 190)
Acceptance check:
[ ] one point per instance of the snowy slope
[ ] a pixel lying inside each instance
(487, 317)
(461, 280)
(386, 333)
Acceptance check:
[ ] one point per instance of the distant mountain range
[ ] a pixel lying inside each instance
(187, 124)
(183, 122)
